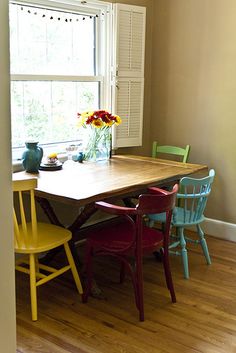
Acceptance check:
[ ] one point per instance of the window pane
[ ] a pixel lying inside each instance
(46, 111)
(51, 42)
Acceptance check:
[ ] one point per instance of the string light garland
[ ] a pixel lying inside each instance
(32, 10)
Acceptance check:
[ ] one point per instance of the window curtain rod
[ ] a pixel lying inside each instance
(79, 12)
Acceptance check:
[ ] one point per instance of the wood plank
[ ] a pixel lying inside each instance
(202, 321)
(121, 175)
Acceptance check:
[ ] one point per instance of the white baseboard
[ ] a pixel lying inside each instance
(220, 229)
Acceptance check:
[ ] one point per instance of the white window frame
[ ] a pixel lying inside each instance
(109, 77)
(103, 58)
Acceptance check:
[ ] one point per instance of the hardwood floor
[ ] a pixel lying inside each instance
(203, 319)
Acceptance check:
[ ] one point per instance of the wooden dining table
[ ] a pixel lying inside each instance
(121, 177)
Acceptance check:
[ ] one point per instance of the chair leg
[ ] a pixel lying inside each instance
(140, 303)
(203, 244)
(128, 268)
(33, 290)
(139, 286)
(184, 253)
(87, 270)
(168, 276)
(73, 268)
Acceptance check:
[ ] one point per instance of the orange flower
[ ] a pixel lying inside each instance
(97, 123)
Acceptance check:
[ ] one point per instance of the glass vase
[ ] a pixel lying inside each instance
(97, 145)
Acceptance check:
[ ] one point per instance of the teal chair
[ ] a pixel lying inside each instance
(191, 203)
(171, 150)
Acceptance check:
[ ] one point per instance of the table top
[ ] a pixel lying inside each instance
(121, 175)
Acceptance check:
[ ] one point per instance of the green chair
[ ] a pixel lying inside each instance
(171, 150)
(191, 203)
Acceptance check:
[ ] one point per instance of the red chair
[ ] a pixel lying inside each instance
(128, 236)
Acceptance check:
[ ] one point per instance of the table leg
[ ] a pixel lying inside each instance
(75, 228)
(49, 212)
(87, 212)
(80, 220)
(128, 202)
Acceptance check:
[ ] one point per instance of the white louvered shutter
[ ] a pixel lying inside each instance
(128, 88)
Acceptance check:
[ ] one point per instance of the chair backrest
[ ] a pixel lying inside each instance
(23, 234)
(192, 199)
(158, 201)
(171, 150)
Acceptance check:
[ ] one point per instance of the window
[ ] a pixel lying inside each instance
(58, 57)
(61, 52)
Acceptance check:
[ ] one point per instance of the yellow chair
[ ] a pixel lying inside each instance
(33, 238)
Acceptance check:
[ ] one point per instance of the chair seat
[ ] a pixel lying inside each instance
(49, 236)
(118, 236)
(180, 217)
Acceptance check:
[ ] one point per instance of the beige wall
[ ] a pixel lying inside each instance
(7, 302)
(194, 88)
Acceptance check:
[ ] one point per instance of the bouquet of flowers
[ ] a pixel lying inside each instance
(98, 119)
(99, 122)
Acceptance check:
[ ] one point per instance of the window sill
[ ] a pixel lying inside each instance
(18, 167)
(59, 148)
